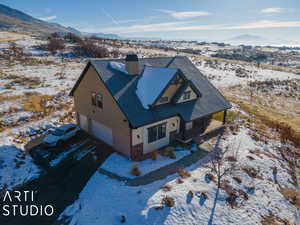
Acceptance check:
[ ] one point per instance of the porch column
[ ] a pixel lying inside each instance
(224, 118)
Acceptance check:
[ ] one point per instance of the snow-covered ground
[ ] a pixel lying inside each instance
(105, 200)
(224, 74)
(122, 166)
(16, 167)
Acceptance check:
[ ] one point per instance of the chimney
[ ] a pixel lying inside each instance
(132, 64)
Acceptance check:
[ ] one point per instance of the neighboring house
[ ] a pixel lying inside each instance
(140, 105)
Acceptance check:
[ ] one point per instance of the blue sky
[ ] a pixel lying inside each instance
(172, 19)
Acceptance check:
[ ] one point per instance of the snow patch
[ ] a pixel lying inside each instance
(118, 66)
(152, 82)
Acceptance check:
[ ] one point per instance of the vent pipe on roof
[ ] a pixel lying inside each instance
(132, 64)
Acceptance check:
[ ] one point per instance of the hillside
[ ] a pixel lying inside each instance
(16, 20)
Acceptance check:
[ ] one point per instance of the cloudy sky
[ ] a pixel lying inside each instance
(173, 19)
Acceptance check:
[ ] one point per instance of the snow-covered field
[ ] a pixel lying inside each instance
(105, 201)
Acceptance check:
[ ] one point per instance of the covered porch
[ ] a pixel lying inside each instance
(199, 128)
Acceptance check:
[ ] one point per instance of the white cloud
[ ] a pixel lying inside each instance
(272, 10)
(186, 26)
(184, 14)
(145, 27)
(48, 18)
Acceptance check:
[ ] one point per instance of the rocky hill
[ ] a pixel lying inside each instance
(13, 19)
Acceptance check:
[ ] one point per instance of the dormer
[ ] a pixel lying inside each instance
(187, 92)
(162, 85)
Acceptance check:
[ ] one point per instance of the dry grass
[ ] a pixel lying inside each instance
(252, 172)
(292, 195)
(288, 125)
(271, 219)
(36, 103)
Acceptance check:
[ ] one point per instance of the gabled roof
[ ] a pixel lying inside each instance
(152, 82)
(123, 88)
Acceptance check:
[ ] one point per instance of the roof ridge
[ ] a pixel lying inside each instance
(172, 60)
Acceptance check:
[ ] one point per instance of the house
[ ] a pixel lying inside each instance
(140, 105)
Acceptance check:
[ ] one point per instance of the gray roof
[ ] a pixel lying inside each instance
(123, 87)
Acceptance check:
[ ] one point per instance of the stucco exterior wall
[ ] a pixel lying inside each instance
(140, 135)
(110, 116)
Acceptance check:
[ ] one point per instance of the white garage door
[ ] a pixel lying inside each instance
(102, 132)
(83, 121)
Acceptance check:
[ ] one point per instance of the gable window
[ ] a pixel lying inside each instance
(163, 99)
(97, 100)
(186, 95)
(93, 98)
(157, 132)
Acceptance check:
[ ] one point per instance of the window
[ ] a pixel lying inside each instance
(186, 95)
(189, 125)
(93, 98)
(163, 99)
(157, 132)
(97, 100)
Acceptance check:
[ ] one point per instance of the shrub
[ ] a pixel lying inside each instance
(237, 179)
(231, 158)
(227, 187)
(168, 201)
(243, 194)
(179, 181)
(89, 49)
(184, 173)
(166, 187)
(231, 200)
(135, 170)
(169, 152)
(73, 38)
(252, 172)
(154, 155)
(54, 45)
(250, 157)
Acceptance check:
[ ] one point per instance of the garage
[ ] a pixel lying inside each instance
(83, 121)
(102, 132)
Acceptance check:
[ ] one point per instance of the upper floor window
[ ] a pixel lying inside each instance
(163, 99)
(186, 95)
(97, 100)
(157, 132)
